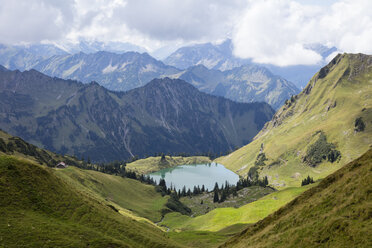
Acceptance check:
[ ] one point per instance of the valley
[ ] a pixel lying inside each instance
(185, 124)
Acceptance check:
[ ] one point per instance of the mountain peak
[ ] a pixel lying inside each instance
(2, 68)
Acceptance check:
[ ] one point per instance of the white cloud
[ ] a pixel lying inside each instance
(34, 20)
(276, 31)
(268, 31)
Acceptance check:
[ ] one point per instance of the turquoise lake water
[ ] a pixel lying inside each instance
(194, 175)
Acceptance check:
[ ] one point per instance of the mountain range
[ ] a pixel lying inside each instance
(221, 57)
(246, 83)
(25, 57)
(122, 72)
(119, 72)
(169, 116)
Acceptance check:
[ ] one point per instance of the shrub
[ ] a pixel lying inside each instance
(359, 125)
(321, 150)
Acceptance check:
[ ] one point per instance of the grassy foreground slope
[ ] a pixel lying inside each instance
(124, 193)
(333, 100)
(221, 218)
(336, 213)
(39, 209)
(152, 164)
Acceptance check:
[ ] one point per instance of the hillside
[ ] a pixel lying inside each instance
(152, 164)
(316, 132)
(225, 217)
(169, 116)
(128, 195)
(247, 83)
(336, 213)
(39, 209)
(119, 72)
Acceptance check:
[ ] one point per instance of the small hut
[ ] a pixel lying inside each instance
(61, 165)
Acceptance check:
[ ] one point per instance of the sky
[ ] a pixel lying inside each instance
(267, 31)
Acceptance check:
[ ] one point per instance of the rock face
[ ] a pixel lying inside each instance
(88, 120)
(119, 72)
(247, 83)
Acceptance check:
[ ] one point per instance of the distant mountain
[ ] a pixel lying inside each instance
(119, 72)
(247, 83)
(317, 131)
(24, 57)
(218, 57)
(122, 72)
(221, 57)
(332, 214)
(86, 46)
(86, 119)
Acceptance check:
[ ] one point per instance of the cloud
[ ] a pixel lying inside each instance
(277, 31)
(186, 20)
(268, 31)
(34, 20)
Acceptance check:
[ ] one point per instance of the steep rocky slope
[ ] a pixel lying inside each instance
(316, 132)
(87, 120)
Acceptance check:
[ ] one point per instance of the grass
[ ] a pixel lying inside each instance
(335, 213)
(39, 209)
(206, 239)
(332, 106)
(152, 164)
(221, 218)
(124, 193)
(244, 196)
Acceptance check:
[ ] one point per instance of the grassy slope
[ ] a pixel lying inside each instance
(336, 213)
(220, 218)
(244, 197)
(348, 84)
(152, 164)
(41, 210)
(27, 151)
(124, 193)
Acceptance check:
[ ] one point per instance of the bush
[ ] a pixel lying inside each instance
(359, 125)
(307, 181)
(321, 150)
(260, 160)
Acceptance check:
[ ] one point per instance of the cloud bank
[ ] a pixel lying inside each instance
(275, 31)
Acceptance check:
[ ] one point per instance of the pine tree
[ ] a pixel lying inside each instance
(215, 187)
(215, 197)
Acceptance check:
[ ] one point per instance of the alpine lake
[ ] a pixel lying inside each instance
(196, 175)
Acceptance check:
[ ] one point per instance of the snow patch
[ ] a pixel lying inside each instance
(72, 69)
(109, 69)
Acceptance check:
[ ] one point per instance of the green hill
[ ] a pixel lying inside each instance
(124, 193)
(41, 210)
(220, 218)
(330, 113)
(336, 213)
(151, 164)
